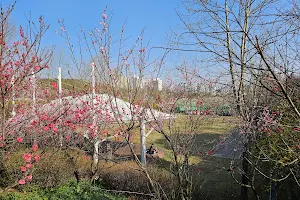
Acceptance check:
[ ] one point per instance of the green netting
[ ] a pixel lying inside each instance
(192, 107)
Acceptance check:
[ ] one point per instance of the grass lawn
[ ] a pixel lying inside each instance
(212, 181)
(210, 175)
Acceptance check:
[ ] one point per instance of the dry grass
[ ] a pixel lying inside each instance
(213, 181)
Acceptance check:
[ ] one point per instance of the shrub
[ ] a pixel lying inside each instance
(83, 191)
(53, 169)
(127, 177)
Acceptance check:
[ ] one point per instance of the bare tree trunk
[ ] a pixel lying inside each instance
(95, 157)
(229, 49)
(241, 91)
(241, 98)
(109, 151)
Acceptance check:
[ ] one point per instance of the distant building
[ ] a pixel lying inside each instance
(139, 82)
(198, 88)
(155, 84)
(159, 84)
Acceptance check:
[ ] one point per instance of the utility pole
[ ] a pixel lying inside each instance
(93, 93)
(59, 86)
(13, 113)
(60, 100)
(93, 79)
(143, 141)
(33, 90)
(97, 141)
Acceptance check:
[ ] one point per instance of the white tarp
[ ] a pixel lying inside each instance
(102, 108)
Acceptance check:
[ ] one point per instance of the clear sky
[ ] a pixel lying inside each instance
(156, 16)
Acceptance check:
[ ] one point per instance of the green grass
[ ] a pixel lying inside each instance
(67, 84)
(207, 133)
(213, 181)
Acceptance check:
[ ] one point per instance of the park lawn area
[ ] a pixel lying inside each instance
(210, 175)
(207, 134)
(209, 172)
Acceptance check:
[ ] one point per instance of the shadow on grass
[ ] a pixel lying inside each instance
(211, 180)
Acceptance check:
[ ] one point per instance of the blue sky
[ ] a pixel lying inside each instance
(156, 16)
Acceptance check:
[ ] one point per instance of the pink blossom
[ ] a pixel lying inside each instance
(44, 117)
(23, 169)
(36, 68)
(24, 43)
(34, 122)
(46, 92)
(46, 128)
(35, 146)
(19, 139)
(54, 85)
(22, 182)
(55, 129)
(27, 157)
(28, 166)
(21, 31)
(102, 50)
(29, 177)
(68, 138)
(210, 152)
(36, 157)
(142, 50)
